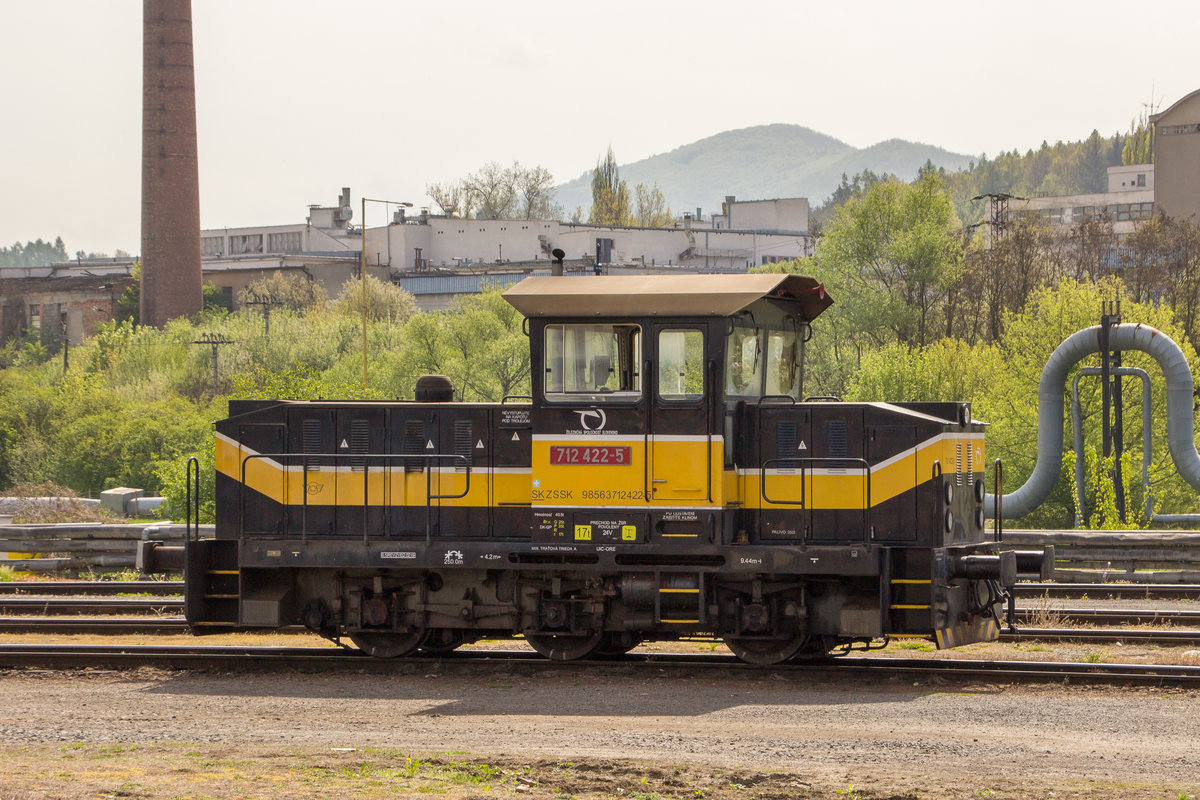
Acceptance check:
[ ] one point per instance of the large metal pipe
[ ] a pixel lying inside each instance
(1079, 345)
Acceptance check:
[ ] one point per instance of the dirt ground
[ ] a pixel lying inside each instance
(560, 733)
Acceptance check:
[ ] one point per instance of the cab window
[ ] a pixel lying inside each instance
(592, 363)
(763, 359)
(782, 363)
(743, 361)
(681, 365)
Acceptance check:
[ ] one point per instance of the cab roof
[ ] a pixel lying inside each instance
(663, 295)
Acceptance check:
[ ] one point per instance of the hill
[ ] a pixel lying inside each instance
(764, 161)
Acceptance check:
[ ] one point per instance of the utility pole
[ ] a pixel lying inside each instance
(266, 301)
(215, 340)
(66, 340)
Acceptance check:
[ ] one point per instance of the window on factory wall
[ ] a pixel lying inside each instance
(212, 246)
(284, 242)
(35, 315)
(250, 243)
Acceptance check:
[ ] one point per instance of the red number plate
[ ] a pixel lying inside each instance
(601, 455)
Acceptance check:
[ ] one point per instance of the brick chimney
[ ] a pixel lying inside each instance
(171, 275)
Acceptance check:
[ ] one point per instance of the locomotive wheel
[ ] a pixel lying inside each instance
(765, 652)
(387, 644)
(566, 646)
(815, 649)
(614, 644)
(441, 641)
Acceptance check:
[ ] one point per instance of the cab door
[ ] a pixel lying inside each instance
(680, 436)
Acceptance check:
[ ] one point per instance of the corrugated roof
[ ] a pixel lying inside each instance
(662, 295)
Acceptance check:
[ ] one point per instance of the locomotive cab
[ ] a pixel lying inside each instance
(667, 478)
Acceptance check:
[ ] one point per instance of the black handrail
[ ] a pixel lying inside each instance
(998, 486)
(866, 466)
(826, 398)
(191, 477)
(773, 398)
(426, 460)
(526, 397)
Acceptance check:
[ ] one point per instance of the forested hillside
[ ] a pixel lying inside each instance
(792, 161)
(761, 162)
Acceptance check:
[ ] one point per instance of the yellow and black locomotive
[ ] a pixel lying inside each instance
(665, 479)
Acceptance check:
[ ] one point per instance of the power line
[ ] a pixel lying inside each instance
(216, 341)
(266, 300)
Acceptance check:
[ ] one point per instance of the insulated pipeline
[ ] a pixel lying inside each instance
(1079, 345)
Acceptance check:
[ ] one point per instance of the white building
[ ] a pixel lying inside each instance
(1129, 199)
(444, 242)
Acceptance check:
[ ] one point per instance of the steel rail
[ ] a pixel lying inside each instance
(100, 625)
(1157, 591)
(469, 662)
(157, 588)
(1158, 636)
(1113, 616)
(90, 605)
(177, 625)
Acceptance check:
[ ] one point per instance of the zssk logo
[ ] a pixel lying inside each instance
(592, 419)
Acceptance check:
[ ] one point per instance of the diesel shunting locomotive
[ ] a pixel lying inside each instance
(666, 478)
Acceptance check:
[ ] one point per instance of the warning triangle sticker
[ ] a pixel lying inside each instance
(429, 445)
(516, 438)
(802, 446)
(344, 444)
(479, 445)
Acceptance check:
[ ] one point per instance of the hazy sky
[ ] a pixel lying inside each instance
(297, 98)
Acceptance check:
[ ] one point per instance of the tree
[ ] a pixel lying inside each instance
(820, 216)
(1162, 260)
(610, 194)
(454, 198)
(652, 208)
(1139, 144)
(496, 192)
(998, 279)
(892, 255)
(384, 300)
(494, 189)
(297, 292)
(535, 193)
(33, 254)
(129, 304)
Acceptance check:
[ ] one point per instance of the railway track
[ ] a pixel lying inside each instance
(40, 607)
(153, 626)
(470, 662)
